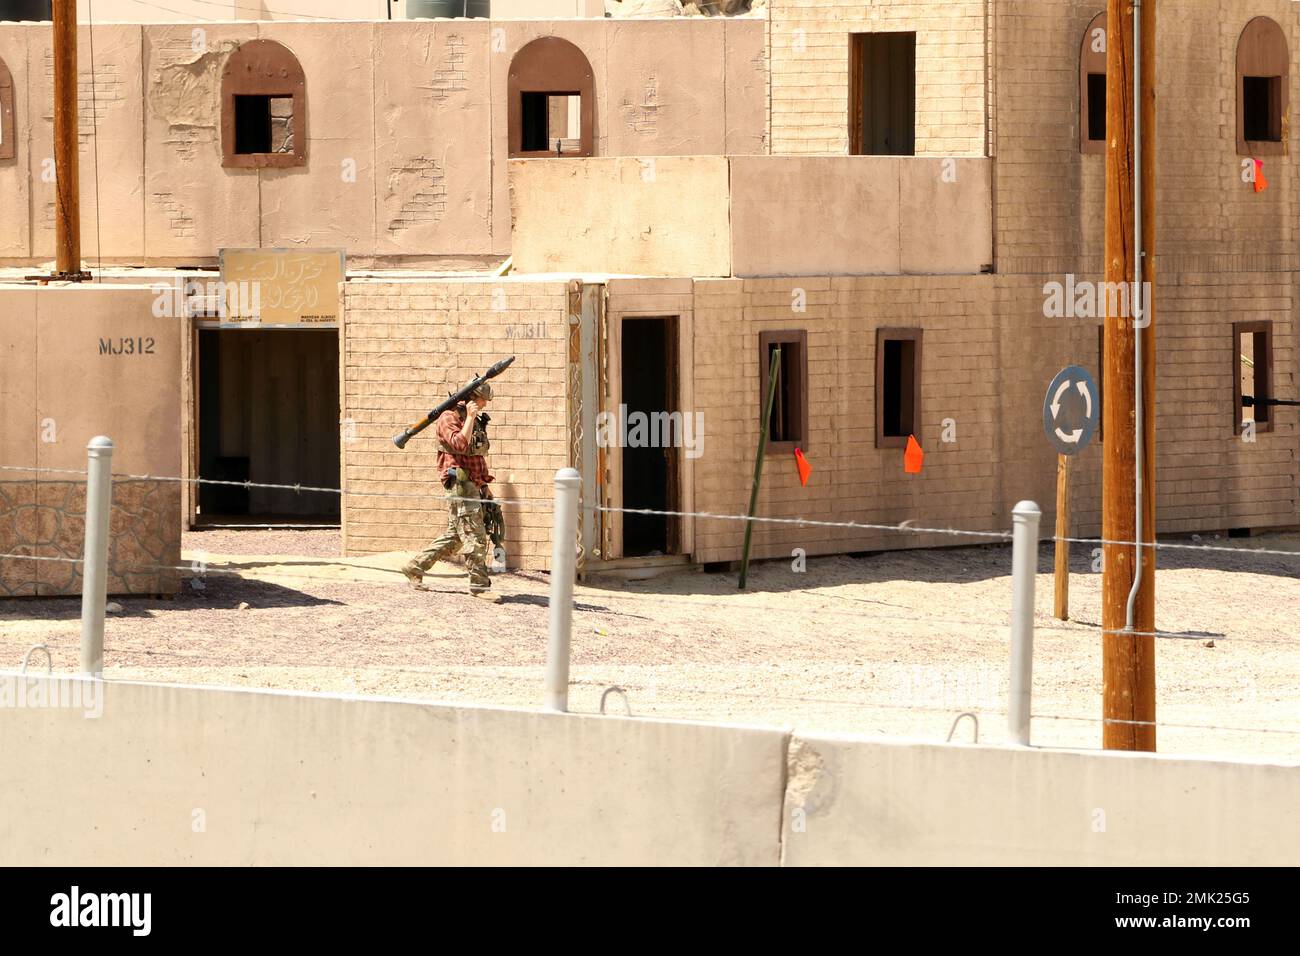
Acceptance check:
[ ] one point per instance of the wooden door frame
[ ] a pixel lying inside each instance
(681, 467)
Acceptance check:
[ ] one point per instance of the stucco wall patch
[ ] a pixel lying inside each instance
(184, 93)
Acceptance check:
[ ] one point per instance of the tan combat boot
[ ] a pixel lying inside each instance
(490, 596)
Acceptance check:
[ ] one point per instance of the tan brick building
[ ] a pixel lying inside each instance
(889, 189)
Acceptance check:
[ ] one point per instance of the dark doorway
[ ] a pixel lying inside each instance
(268, 414)
(883, 97)
(650, 470)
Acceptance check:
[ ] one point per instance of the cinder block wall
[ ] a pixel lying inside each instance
(1051, 198)
(852, 479)
(810, 72)
(1224, 253)
(405, 345)
(988, 355)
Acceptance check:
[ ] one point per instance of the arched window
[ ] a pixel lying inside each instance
(552, 97)
(1263, 94)
(8, 131)
(263, 108)
(1092, 87)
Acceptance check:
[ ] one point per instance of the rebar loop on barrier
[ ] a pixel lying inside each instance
(975, 720)
(616, 690)
(49, 659)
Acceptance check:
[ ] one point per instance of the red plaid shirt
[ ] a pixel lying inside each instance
(447, 428)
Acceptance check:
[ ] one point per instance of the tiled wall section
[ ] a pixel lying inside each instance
(47, 519)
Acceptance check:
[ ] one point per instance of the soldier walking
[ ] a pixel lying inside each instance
(462, 466)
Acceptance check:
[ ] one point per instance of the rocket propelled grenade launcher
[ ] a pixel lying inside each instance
(402, 437)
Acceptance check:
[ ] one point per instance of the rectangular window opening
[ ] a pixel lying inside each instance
(883, 96)
(552, 123)
(1262, 109)
(263, 124)
(1253, 375)
(898, 386)
(1097, 107)
(787, 426)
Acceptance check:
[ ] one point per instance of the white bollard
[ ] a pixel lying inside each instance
(94, 568)
(564, 553)
(1024, 566)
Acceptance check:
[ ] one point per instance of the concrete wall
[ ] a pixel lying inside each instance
(657, 216)
(78, 362)
(208, 776)
(910, 804)
(15, 180)
(290, 779)
(810, 71)
(407, 126)
(752, 216)
(109, 123)
(861, 215)
(405, 345)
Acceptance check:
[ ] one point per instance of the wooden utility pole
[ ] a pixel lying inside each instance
(1128, 659)
(1061, 606)
(67, 219)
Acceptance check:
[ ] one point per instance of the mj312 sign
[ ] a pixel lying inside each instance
(136, 345)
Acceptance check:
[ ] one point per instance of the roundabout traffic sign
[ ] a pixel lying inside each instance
(1071, 410)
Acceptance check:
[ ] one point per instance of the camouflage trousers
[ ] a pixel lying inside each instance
(465, 535)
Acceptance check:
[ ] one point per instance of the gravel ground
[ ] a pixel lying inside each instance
(896, 643)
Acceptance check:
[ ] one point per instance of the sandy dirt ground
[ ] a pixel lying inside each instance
(894, 644)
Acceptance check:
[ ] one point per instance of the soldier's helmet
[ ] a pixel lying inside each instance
(484, 392)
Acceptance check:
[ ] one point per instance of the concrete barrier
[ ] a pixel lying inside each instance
(899, 803)
(190, 775)
(154, 774)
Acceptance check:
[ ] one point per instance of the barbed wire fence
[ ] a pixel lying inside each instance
(373, 576)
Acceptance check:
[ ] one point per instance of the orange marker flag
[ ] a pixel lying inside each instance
(805, 469)
(913, 457)
(1260, 182)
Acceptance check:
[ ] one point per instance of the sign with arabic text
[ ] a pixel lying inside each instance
(280, 287)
